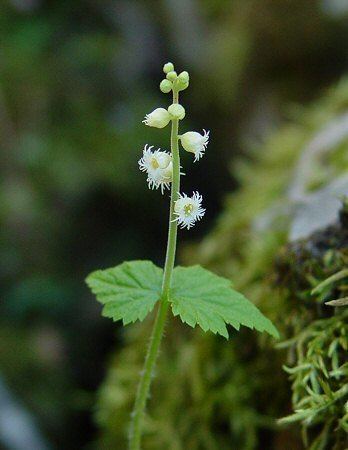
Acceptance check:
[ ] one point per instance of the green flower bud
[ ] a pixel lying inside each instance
(172, 76)
(176, 111)
(182, 86)
(169, 67)
(184, 77)
(166, 86)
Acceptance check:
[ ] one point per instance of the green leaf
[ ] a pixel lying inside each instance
(128, 291)
(201, 297)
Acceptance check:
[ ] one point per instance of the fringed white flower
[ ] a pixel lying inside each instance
(158, 118)
(195, 143)
(159, 168)
(188, 209)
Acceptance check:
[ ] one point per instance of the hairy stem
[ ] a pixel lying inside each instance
(157, 331)
(173, 226)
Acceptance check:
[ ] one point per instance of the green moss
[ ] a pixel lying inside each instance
(319, 377)
(318, 333)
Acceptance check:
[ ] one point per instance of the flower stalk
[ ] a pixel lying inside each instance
(142, 395)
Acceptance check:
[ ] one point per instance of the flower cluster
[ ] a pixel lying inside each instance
(158, 164)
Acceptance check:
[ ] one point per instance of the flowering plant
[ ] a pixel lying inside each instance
(130, 290)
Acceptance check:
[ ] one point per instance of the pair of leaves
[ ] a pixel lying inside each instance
(130, 291)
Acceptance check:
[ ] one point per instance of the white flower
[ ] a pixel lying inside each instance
(195, 143)
(158, 166)
(159, 118)
(188, 209)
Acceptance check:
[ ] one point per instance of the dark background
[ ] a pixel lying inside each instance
(76, 79)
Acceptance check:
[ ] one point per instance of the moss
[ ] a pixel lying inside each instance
(318, 342)
(319, 377)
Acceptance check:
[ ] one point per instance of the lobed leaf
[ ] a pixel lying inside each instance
(201, 297)
(128, 291)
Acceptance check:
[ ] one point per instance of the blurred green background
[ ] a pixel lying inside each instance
(76, 79)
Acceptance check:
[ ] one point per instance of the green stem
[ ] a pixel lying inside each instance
(173, 226)
(157, 331)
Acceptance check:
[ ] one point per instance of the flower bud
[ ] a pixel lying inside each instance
(159, 118)
(166, 86)
(172, 76)
(195, 143)
(176, 111)
(181, 86)
(184, 77)
(169, 67)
